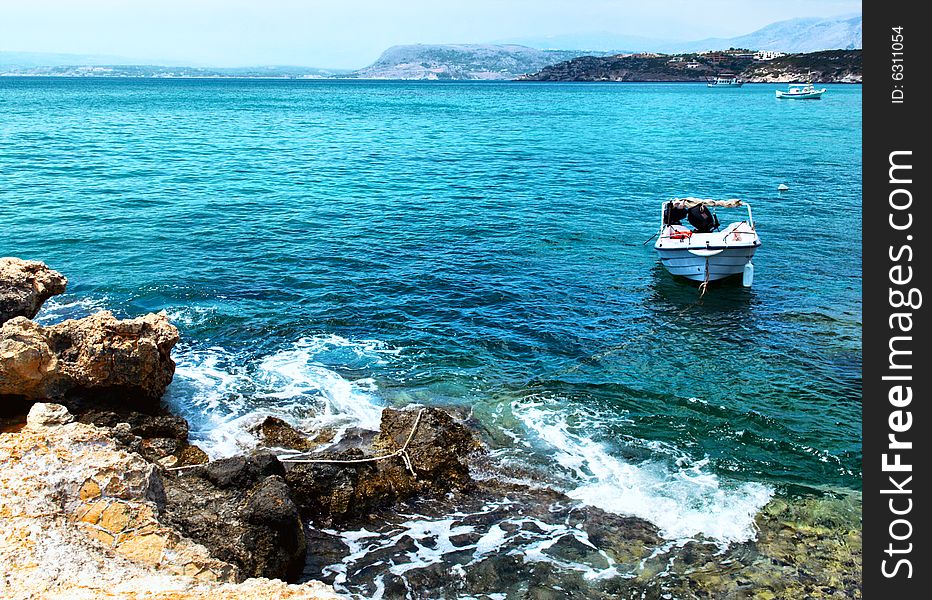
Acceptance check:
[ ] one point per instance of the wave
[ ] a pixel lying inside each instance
(680, 497)
(60, 308)
(223, 395)
(463, 539)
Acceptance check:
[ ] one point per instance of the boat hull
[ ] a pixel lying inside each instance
(807, 96)
(729, 261)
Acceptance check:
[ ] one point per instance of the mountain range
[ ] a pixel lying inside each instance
(461, 61)
(509, 61)
(794, 35)
(808, 34)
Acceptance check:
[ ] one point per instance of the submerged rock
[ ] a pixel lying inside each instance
(25, 285)
(101, 355)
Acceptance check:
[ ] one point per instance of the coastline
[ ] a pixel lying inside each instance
(425, 81)
(174, 513)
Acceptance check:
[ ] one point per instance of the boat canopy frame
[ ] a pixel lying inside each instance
(689, 202)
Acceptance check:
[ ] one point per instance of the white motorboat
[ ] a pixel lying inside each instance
(706, 252)
(725, 81)
(801, 91)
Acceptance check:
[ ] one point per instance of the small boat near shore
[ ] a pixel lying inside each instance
(801, 91)
(706, 252)
(725, 80)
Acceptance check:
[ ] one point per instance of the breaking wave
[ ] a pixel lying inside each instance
(60, 308)
(225, 394)
(679, 496)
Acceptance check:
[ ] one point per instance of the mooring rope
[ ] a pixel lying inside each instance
(402, 452)
(705, 282)
(294, 458)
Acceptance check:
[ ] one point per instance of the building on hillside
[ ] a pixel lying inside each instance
(764, 55)
(714, 56)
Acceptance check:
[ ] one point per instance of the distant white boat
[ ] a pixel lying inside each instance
(706, 252)
(726, 81)
(801, 91)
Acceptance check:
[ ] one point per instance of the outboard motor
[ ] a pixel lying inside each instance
(672, 214)
(702, 219)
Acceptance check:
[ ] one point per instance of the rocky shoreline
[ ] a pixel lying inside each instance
(829, 66)
(103, 495)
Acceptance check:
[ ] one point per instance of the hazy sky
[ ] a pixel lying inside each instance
(352, 33)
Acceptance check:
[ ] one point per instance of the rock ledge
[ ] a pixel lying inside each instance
(25, 285)
(80, 517)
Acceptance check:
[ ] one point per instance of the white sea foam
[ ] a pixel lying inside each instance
(295, 373)
(59, 308)
(189, 316)
(224, 394)
(429, 542)
(683, 499)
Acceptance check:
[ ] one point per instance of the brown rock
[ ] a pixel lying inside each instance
(276, 433)
(25, 285)
(127, 359)
(438, 448)
(438, 452)
(192, 455)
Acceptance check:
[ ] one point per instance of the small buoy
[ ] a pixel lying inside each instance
(783, 187)
(748, 277)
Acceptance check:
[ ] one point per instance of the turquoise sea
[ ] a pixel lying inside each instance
(331, 247)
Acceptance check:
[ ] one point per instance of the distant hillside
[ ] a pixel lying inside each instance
(794, 35)
(830, 66)
(461, 61)
(834, 66)
(158, 71)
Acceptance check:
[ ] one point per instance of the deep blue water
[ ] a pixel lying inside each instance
(327, 247)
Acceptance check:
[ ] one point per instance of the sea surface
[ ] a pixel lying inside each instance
(328, 248)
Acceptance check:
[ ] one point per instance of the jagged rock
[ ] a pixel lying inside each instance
(140, 424)
(155, 449)
(100, 354)
(166, 587)
(243, 511)
(25, 285)
(192, 455)
(69, 493)
(277, 540)
(437, 450)
(84, 518)
(439, 447)
(241, 471)
(48, 415)
(161, 438)
(276, 433)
